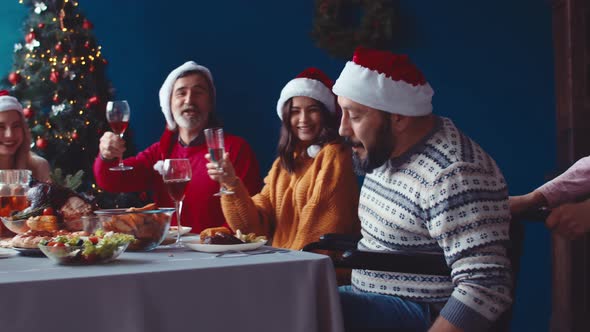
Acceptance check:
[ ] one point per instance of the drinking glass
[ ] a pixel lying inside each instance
(14, 184)
(214, 137)
(177, 174)
(118, 113)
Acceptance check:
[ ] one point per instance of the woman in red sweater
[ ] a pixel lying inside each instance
(187, 99)
(311, 188)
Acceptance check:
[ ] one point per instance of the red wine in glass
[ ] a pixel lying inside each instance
(119, 127)
(176, 174)
(117, 114)
(176, 188)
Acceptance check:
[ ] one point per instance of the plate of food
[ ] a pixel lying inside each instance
(174, 230)
(221, 239)
(5, 253)
(29, 252)
(27, 244)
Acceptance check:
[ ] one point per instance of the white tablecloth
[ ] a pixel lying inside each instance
(168, 290)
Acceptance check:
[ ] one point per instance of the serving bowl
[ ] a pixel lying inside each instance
(17, 226)
(149, 227)
(77, 255)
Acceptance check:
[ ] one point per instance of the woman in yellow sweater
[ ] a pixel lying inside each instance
(311, 188)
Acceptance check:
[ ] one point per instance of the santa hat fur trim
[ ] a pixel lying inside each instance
(9, 103)
(312, 83)
(166, 89)
(385, 81)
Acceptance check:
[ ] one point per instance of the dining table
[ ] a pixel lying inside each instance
(172, 290)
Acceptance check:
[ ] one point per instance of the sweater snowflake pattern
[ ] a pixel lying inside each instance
(445, 196)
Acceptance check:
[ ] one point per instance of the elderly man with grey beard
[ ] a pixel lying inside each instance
(187, 100)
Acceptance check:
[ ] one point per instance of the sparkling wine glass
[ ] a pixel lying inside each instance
(214, 137)
(118, 113)
(177, 174)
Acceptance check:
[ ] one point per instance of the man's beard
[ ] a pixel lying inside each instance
(377, 155)
(191, 122)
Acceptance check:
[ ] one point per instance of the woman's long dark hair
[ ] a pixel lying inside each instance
(288, 141)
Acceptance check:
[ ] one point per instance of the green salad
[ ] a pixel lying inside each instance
(97, 247)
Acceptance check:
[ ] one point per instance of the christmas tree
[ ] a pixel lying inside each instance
(59, 75)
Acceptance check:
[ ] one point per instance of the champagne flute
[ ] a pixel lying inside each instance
(214, 137)
(118, 113)
(177, 174)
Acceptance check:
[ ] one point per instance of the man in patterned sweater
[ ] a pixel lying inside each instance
(428, 188)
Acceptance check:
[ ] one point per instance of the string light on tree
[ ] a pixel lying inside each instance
(60, 74)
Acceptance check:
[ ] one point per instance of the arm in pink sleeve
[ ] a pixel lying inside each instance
(570, 186)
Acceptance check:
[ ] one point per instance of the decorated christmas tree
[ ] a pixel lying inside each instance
(59, 75)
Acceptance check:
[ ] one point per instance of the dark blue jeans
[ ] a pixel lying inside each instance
(362, 310)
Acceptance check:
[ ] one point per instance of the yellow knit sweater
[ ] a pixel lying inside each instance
(292, 210)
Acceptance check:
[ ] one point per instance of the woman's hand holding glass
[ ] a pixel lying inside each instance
(222, 171)
(215, 143)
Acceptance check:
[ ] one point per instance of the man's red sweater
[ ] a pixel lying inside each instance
(200, 208)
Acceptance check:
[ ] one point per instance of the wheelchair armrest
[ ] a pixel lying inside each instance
(419, 263)
(334, 241)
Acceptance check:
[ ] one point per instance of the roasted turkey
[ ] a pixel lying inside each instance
(68, 205)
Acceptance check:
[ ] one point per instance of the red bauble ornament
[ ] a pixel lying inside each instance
(54, 77)
(94, 100)
(14, 78)
(87, 24)
(28, 112)
(59, 47)
(91, 68)
(87, 44)
(41, 143)
(41, 25)
(30, 37)
(75, 135)
(56, 98)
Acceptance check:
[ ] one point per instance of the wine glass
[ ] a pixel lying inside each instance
(118, 117)
(177, 174)
(214, 137)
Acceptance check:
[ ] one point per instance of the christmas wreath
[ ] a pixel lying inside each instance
(342, 25)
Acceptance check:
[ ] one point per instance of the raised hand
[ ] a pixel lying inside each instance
(222, 172)
(111, 146)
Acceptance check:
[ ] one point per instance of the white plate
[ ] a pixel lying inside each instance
(174, 229)
(4, 253)
(198, 246)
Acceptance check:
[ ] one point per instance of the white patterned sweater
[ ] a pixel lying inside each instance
(446, 196)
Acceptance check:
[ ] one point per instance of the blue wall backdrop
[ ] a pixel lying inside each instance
(489, 62)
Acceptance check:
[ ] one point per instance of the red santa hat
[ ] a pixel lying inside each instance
(9, 103)
(166, 89)
(385, 81)
(312, 83)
